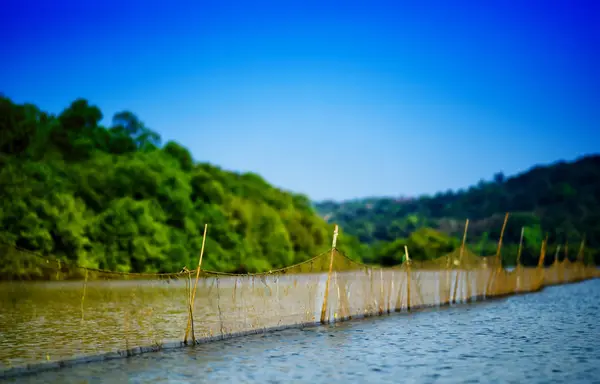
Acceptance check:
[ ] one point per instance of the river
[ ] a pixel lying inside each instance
(544, 337)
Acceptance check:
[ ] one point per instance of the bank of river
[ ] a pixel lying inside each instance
(550, 336)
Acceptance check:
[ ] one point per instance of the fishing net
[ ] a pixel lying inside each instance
(56, 313)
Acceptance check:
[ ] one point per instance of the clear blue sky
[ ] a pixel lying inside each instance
(336, 101)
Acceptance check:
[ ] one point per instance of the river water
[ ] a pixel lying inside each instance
(544, 337)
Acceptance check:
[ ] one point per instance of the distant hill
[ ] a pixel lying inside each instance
(561, 200)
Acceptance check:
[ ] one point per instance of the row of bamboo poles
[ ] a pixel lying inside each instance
(407, 265)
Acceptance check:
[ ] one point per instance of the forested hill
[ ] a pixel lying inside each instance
(561, 200)
(115, 198)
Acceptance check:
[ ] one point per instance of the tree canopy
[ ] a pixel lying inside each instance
(115, 198)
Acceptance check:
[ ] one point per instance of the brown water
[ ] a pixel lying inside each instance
(48, 322)
(44, 322)
(547, 337)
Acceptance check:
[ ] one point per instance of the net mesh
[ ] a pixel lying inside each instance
(64, 313)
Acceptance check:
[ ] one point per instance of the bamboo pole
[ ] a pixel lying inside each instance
(556, 265)
(543, 252)
(498, 256)
(190, 322)
(541, 268)
(518, 263)
(407, 278)
(520, 251)
(460, 257)
(333, 245)
(556, 254)
(455, 291)
(498, 253)
(464, 239)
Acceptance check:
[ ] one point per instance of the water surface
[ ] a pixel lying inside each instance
(545, 337)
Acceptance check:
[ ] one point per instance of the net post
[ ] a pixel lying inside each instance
(520, 251)
(498, 250)
(407, 278)
(556, 254)
(462, 250)
(556, 264)
(518, 262)
(333, 245)
(464, 239)
(541, 261)
(448, 280)
(543, 252)
(190, 322)
(498, 256)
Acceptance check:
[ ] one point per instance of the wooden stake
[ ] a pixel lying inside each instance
(464, 240)
(556, 254)
(498, 254)
(455, 286)
(498, 258)
(333, 245)
(193, 294)
(462, 249)
(520, 247)
(543, 252)
(408, 278)
(541, 269)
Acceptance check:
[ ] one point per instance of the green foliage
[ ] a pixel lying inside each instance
(423, 244)
(560, 200)
(113, 198)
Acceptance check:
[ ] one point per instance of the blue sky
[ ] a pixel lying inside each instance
(332, 99)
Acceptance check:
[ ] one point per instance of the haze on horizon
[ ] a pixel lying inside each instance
(335, 101)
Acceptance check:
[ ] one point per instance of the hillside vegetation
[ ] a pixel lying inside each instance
(115, 198)
(561, 201)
